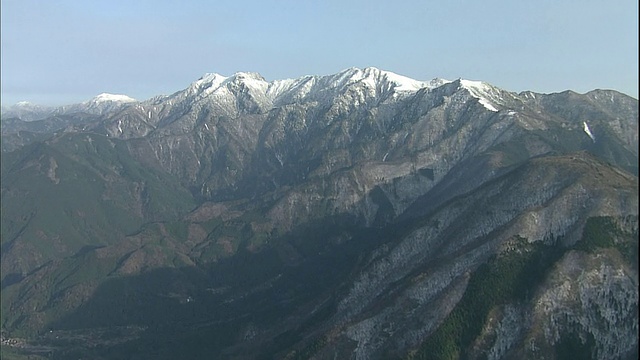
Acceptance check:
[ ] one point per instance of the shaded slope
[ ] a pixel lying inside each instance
(305, 286)
(77, 190)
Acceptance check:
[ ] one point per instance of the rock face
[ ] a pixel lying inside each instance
(361, 214)
(580, 298)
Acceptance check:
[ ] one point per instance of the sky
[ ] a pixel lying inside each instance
(68, 51)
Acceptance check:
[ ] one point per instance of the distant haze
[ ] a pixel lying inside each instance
(69, 51)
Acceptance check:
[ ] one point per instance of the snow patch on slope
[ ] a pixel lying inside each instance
(588, 131)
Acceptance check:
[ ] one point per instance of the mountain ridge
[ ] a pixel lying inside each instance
(352, 74)
(325, 216)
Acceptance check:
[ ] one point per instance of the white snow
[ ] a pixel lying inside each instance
(480, 91)
(588, 131)
(207, 126)
(487, 105)
(252, 80)
(149, 114)
(372, 76)
(469, 84)
(105, 97)
(404, 83)
(279, 86)
(296, 87)
(119, 126)
(214, 85)
(210, 80)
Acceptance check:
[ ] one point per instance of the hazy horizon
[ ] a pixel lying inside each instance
(71, 51)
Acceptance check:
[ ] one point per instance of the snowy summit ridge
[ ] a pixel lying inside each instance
(106, 97)
(369, 79)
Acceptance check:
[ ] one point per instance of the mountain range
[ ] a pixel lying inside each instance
(360, 215)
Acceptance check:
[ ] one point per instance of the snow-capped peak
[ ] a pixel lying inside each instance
(105, 97)
(222, 89)
(209, 80)
(248, 76)
(480, 90)
(251, 79)
(401, 83)
(373, 77)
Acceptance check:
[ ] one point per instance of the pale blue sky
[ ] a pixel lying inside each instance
(66, 51)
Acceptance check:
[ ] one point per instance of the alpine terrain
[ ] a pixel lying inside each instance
(360, 215)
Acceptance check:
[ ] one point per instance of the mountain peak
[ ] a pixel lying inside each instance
(25, 105)
(472, 84)
(234, 190)
(373, 75)
(250, 79)
(484, 92)
(209, 80)
(207, 77)
(106, 97)
(248, 75)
